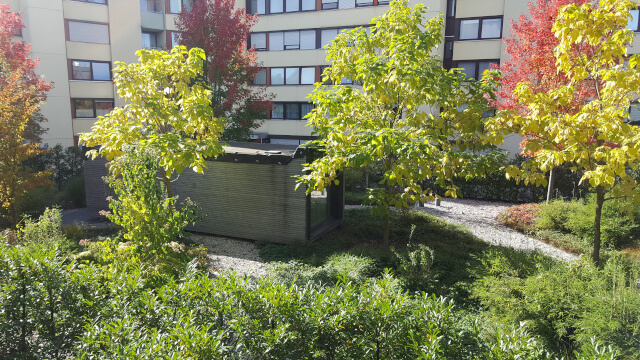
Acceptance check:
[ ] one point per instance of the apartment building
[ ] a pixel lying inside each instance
(77, 42)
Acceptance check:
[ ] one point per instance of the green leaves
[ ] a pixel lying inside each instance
(391, 123)
(168, 109)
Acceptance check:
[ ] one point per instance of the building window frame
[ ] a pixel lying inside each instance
(477, 74)
(481, 21)
(94, 101)
(285, 112)
(67, 23)
(105, 2)
(635, 19)
(91, 62)
(285, 70)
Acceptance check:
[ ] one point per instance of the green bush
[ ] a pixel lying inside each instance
(566, 304)
(46, 233)
(344, 268)
(37, 200)
(618, 227)
(142, 208)
(353, 180)
(67, 163)
(355, 198)
(74, 190)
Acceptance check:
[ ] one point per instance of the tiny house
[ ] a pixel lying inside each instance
(249, 193)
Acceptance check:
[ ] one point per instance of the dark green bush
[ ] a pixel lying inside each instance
(67, 163)
(355, 197)
(353, 180)
(619, 228)
(566, 304)
(74, 190)
(37, 200)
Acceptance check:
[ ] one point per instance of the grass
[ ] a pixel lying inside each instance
(456, 250)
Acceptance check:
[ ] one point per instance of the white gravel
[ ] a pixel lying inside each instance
(227, 254)
(480, 218)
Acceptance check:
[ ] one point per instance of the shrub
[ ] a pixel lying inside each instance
(46, 233)
(344, 268)
(355, 198)
(619, 228)
(74, 190)
(519, 217)
(353, 180)
(37, 200)
(566, 304)
(142, 207)
(67, 163)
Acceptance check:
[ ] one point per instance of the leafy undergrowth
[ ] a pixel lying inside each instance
(568, 225)
(356, 245)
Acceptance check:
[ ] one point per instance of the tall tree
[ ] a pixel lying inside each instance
(391, 123)
(531, 59)
(596, 137)
(168, 111)
(21, 94)
(222, 31)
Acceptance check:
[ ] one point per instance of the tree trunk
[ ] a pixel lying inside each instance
(596, 226)
(385, 231)
(366, 180)
(550, 188)
(167, 183)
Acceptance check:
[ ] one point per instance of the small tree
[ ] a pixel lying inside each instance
(596, 137)
(391, 124)
(531, 59)
(168, 111)
(222, 32)
(21, 94)
(142, 207)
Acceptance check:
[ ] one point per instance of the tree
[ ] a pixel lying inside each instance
(596, 138)
(391, 123)
(222, 31)
(21, 94)
(531, 59)
(168, 111)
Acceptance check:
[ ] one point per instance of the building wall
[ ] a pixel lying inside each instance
(45, 22)
(249, 201)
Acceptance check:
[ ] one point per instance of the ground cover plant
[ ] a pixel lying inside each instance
(568, 224)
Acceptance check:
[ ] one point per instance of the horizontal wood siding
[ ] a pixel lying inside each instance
(250, 201)
(97, 190)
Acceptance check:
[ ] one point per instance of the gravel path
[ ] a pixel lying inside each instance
(231, 254)
(480, 218)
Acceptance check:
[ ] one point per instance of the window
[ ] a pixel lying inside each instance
(90, 70)
(327, 35)
(292, 5)
(384, 2)
(257, 7)
(292, 40)
(175, 38)
(307, 75)
(474, 29)
(475, 69)
(150, 5)
(308, 5)
(290, 110)
(175, 6)
(346, 4)
(276, 41)
(149, 40)
(329, 4)
(88, 32)
(307, 39)
(364, 3)
(260, 78)
(94, 1)
(259, 41)
(632, 24)
(88, 108)
(293, 76)
(276, 6)
(277, 76)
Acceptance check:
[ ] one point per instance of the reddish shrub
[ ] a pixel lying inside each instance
(519, 217)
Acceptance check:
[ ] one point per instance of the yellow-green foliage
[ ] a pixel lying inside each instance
(167, 109)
